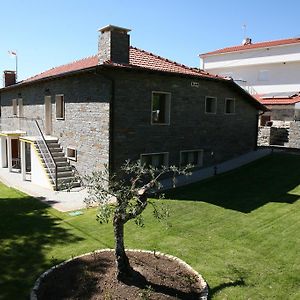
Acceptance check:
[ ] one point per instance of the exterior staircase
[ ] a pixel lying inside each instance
(66, 178)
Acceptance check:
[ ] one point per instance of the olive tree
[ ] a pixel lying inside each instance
(124, 198)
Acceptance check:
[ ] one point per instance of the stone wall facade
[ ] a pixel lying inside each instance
(85, 126)
(108, 117)
(190, 128)
(264, 134)
(294, 135)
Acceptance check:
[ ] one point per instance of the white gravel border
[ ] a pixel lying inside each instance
(203, 296)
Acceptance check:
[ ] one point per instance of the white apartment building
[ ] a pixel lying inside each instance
(268, 69)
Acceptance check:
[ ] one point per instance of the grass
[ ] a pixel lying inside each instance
(240, 230)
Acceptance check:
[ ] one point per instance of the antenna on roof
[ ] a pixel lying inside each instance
(244, 31)
(246, 40)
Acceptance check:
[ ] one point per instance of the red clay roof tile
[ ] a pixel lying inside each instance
(280, 101)
(254, 46)
(138, 59)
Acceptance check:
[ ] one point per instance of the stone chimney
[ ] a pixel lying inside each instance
(113, 45)
(9, 78)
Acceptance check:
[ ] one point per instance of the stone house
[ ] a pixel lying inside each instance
(123, 103)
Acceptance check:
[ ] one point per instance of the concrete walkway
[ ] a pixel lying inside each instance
(62, 200)
(218, 169)
(74, 200)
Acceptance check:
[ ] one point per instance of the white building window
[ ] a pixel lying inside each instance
(263, 75)
(72, 153)
(229, 106)
(193, 157)
(156, 160)
(160, 108)
(60, 107)
(210, 105)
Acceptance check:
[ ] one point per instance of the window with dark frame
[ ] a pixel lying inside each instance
(60, 107)
(156, 160)
(229, 106)
(193, 157)
(160, 108)
(211, 105)
(71, 153)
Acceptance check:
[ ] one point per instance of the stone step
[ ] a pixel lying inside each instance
(63, 174)
(57, 154)
(53, 145)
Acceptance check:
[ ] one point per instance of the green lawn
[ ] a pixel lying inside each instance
(240, 230)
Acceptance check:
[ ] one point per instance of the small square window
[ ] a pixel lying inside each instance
(211, 105)
(72, 153)
(229, 106)
(193, 157)
(156, 160)
(160, 108)
(60, 107)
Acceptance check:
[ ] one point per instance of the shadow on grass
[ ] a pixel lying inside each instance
(25, 230)
(268, 180)
(215, 290)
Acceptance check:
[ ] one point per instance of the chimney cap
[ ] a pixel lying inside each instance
(112, 28)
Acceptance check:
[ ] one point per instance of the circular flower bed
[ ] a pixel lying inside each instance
(156, 276)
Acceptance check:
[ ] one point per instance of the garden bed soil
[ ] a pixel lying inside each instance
(93, 276)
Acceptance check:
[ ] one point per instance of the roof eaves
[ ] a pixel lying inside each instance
(252, 47)
(25, 83)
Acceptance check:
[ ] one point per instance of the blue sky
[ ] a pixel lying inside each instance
(50, 33)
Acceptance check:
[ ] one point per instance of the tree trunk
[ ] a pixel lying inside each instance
(122, 261)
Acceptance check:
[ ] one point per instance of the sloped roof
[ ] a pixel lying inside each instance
(137, 59)
(254, 46)
(280, 100)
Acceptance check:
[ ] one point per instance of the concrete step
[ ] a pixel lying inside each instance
(61, 174)
(60, 159)
(56, 149)
(53, 145)
(57, 154)
(64, 168)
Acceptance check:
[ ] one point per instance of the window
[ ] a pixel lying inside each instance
(211, 105)
(263, 75)
(60, 107)
(71, 153)
(15, 107)
(155, 159)
(229, 106)
(160, 108)
(193, 157)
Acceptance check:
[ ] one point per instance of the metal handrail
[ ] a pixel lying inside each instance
(51, 156)
(41, 143)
